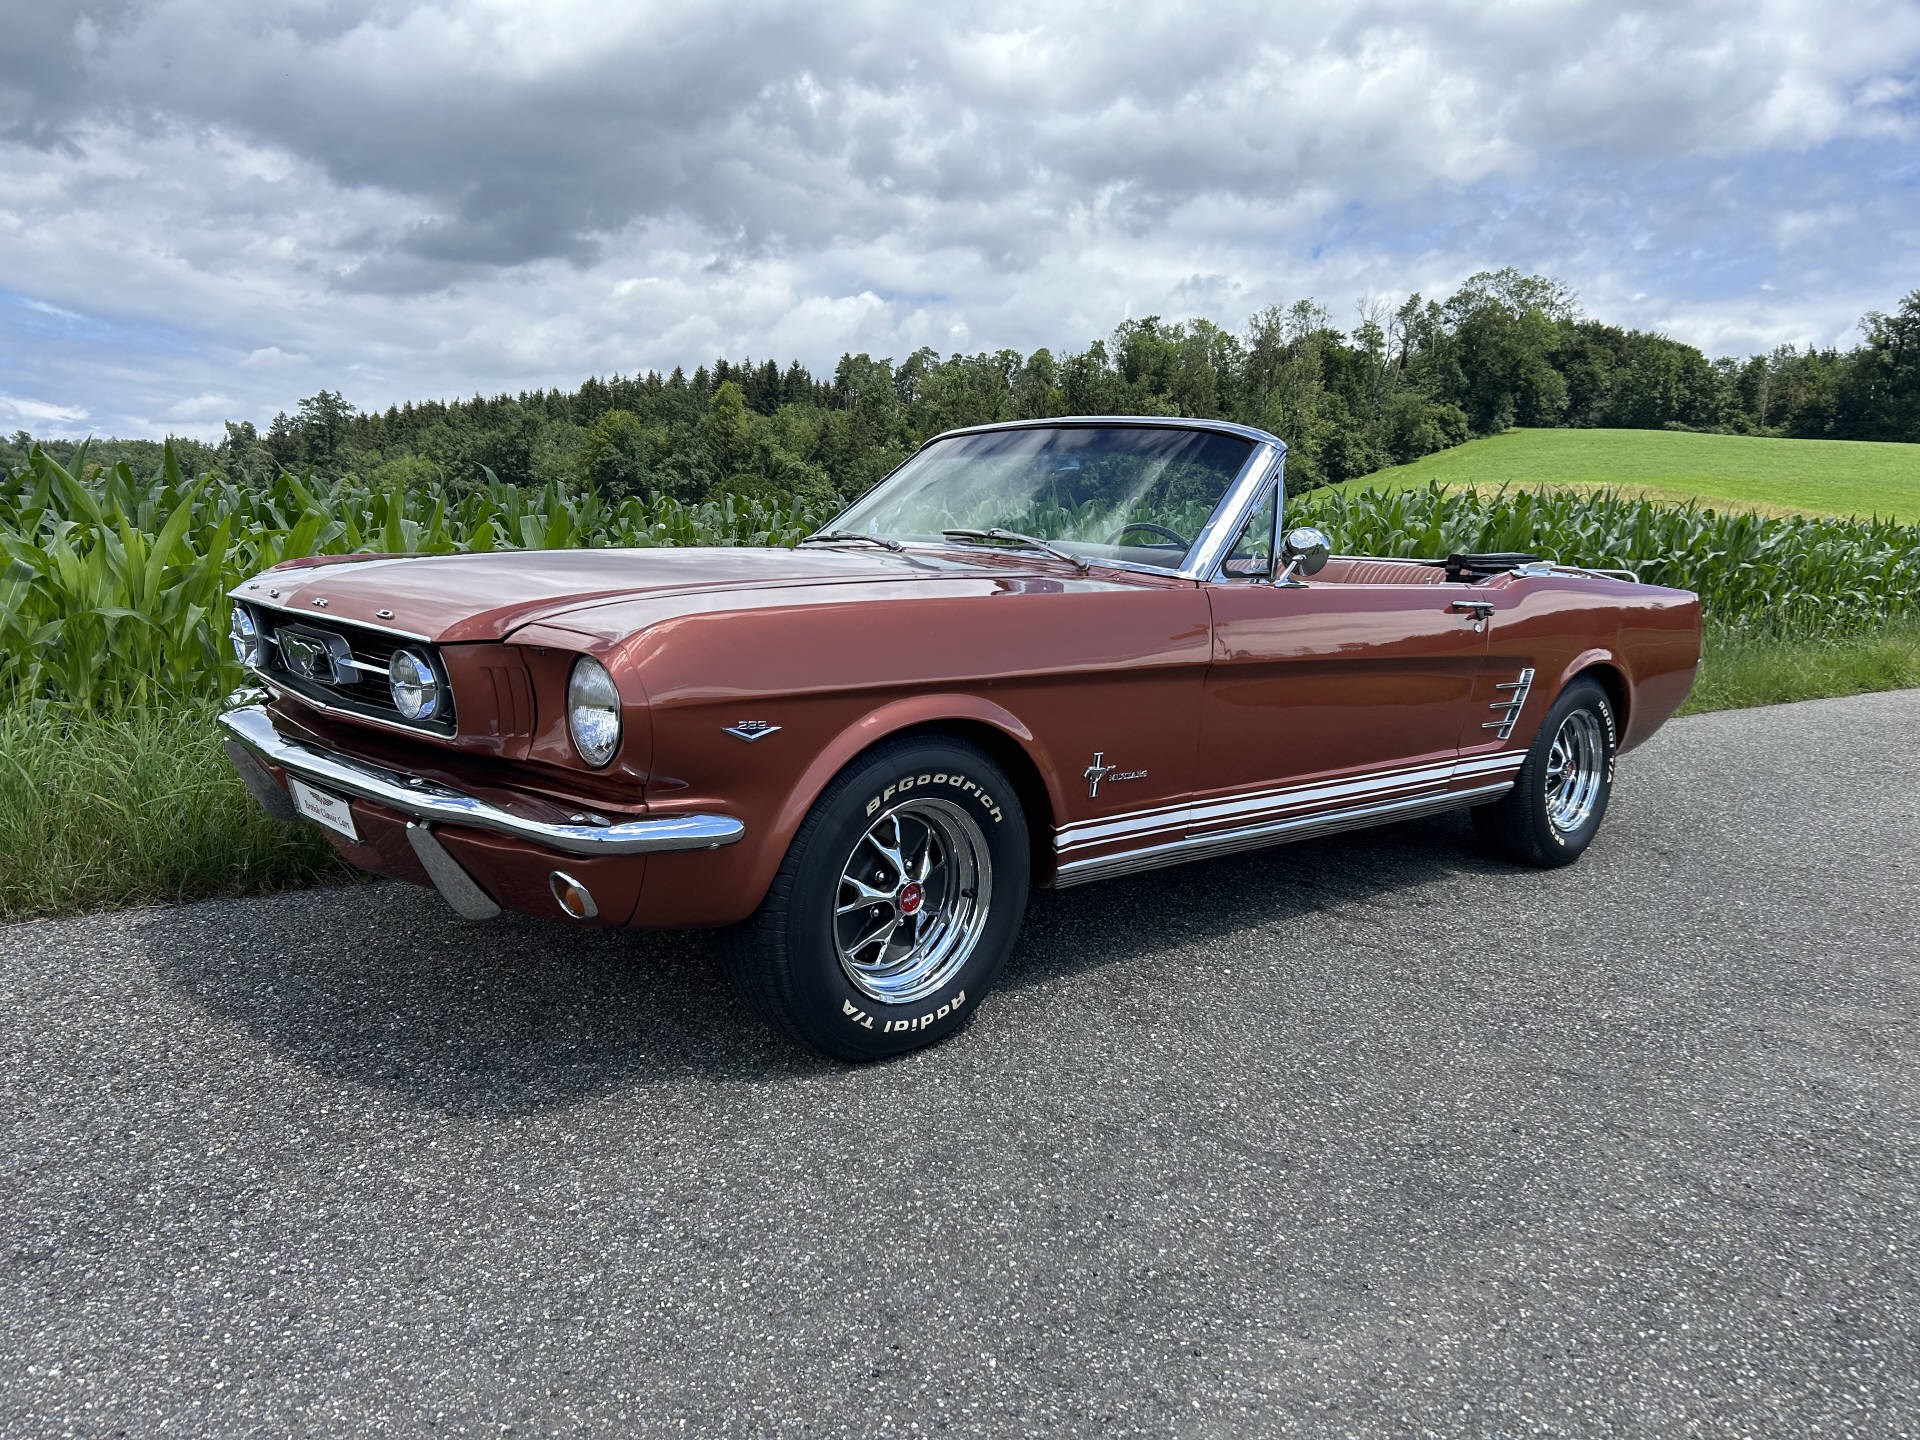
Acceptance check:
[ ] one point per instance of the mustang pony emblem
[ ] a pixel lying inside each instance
(306, 657)
(1096, 772)
(1099, 770)
(325, 658)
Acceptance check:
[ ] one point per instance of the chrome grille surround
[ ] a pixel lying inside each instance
(342, 665)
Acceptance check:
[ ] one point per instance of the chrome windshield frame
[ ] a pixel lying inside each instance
(1215, 543)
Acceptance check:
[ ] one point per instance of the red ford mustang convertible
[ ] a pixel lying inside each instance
(1035, 654)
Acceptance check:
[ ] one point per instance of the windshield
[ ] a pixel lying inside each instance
(1106, 492)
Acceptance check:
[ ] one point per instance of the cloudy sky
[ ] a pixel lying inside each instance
(209, 208)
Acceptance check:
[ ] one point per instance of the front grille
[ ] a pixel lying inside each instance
(362, 689)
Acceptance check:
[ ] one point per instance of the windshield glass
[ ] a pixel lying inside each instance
(1106, 492)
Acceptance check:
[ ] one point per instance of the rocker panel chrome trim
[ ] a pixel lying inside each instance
(1280, 832)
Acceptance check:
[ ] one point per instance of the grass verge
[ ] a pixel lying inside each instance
(1743, 670)
(101, 813)
(1729, 472)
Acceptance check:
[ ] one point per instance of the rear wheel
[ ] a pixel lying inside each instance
(1560, 795)
(896, 906)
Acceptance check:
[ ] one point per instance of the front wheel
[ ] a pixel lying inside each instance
(896, 906)
(1560, 795)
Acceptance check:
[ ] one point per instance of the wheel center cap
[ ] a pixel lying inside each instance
(911, 898)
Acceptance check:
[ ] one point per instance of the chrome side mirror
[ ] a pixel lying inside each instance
(1304, 551)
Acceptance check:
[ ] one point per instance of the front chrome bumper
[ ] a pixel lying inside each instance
(250, 738)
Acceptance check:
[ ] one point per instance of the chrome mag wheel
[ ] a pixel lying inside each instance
(1576, 765)
(912, 900)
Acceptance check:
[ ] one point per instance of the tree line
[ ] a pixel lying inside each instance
(1400, 382)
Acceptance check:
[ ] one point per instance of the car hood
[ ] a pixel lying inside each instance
(452, 598)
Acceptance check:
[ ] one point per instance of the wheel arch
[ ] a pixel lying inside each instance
(989, 727)
(1021, 769)
(1603, 666)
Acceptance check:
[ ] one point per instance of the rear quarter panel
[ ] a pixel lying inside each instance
(1643, 639)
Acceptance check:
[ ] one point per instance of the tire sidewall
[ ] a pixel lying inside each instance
(1564, 846)
(836, 1013)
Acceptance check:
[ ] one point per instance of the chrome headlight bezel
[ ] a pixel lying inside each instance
(593, 713)
(243, 633)
(415, 685)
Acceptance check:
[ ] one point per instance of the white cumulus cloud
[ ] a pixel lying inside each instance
(246, 200)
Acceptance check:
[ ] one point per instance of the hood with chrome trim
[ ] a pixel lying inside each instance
(482, 597)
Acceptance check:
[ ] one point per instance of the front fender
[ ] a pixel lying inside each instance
(893, 719)
(724, 887)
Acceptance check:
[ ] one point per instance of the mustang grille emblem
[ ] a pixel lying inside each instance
(325, 658)
(751, 730)
(306, 657)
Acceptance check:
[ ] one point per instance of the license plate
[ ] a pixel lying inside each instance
(330, 810)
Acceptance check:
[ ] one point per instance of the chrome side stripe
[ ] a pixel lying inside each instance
(1490, 764)
(1307, 798)
(1289, 797)
(1183, 809)
(1158, 820)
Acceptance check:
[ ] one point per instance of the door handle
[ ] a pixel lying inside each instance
(1481, 611)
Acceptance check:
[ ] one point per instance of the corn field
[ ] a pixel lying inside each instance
(1799, 575)
(113, 588)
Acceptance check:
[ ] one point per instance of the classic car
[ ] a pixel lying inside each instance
(1035, 654)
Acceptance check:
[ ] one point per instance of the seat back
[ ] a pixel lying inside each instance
(1351, 570)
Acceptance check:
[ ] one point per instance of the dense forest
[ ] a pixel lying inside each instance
(1507, 349)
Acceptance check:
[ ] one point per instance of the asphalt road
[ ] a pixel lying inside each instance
(1361, 1136)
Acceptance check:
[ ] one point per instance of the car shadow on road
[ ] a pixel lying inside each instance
(380, 986)
(1212, 902)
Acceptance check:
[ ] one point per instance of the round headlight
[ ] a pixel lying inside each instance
(593, 712)
(416, 689)
(245, 635)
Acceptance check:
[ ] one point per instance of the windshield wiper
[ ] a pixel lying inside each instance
(1031, 542)
(829, 536)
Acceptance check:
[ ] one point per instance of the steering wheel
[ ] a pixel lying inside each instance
(1174, 535)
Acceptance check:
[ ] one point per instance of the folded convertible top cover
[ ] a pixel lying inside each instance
(1475, 567)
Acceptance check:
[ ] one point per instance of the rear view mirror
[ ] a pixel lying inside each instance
(1304, 551)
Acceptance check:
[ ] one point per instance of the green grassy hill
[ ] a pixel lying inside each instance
(1819, 477)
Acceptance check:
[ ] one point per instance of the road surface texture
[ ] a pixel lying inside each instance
(1367, 1135)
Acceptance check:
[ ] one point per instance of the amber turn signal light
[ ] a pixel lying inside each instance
(573, 897)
